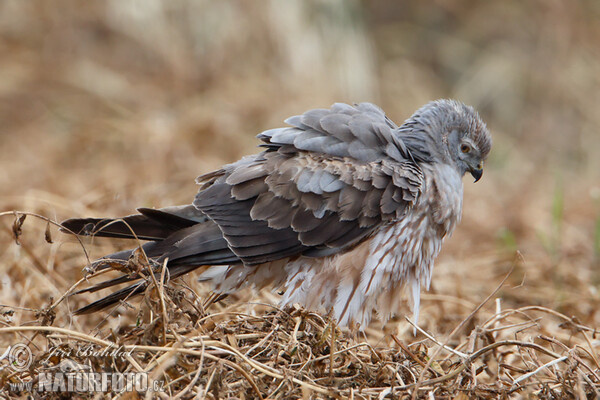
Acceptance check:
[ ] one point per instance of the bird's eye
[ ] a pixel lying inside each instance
(465, 148)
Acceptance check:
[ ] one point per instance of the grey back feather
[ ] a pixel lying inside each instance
(322, 185)
(362, 132)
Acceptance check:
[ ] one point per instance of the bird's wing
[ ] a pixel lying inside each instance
(322, 185)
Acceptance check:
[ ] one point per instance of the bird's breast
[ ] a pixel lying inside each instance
(442, 197)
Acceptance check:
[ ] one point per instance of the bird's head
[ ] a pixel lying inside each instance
(454, 133)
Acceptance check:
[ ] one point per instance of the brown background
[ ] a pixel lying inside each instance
(108, 106)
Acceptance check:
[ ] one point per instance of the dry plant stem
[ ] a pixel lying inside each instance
(555, 313)
(595, 387)
(133, 234)
(133, 362)
(412, 355)
(261, 342)
(535, 372)
(434, 340)
(331, 351)
(163, 363)
(573, 354)
(210, 379)
(273, 394)
(586, 351)
(581, 328)
(463, 322)
(161, 296)
(67, 332)
(48, 220)
(67, 293)
(592, 350)
(39, 265)
(525, 324)
(518, 343)
(340, 352)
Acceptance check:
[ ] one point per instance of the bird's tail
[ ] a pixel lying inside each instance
(149, 224)
(182, 236)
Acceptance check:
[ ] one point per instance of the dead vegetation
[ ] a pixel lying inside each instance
(200, 345)
(105, 107)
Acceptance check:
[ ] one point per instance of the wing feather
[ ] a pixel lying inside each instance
(337, 125)
(327, 181)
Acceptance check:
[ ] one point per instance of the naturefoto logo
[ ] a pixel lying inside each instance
(70, 376)
(87, 381)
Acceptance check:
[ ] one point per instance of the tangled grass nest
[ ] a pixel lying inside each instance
(193, 346)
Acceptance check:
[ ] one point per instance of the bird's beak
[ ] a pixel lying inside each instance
(477, 172)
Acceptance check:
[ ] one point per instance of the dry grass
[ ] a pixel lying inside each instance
(105, 107)
(193, 346)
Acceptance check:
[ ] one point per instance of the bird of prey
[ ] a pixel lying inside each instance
(342, 211)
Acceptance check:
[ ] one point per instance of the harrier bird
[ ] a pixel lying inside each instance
(342, 211)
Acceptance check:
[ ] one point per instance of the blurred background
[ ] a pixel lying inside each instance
(108, 106)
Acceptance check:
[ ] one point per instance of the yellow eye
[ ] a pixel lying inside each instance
(465, 148)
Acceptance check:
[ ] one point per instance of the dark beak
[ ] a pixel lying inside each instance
(477, 172)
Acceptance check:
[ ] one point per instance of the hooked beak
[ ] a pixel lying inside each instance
(477, 172)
